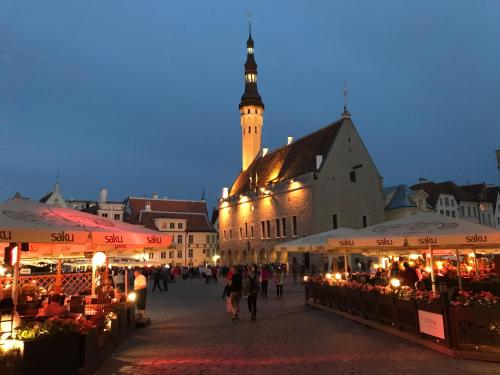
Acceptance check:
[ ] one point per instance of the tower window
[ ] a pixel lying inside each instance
(248, 111)
(249, 129)
(352, 176)
(255, 130)
(256, 111)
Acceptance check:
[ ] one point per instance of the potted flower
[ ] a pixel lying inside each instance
(475, 319)
(429, 301)
(406, 309)
(386, 304)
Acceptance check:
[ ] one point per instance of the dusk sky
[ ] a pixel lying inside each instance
(142, 96)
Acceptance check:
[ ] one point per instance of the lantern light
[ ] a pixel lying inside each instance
(131, 297)
(99, 259)
(306, 278)
(413, 256)
(329, 276)
(338, 276)
(428, 269)
(395, 283)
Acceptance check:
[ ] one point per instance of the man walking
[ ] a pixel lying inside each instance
(156, 278)
(140, 289)
(236, 288)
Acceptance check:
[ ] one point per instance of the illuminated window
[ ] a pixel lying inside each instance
(250, 50)
(251, 77)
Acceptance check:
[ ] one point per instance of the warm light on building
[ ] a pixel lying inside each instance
(395, 283)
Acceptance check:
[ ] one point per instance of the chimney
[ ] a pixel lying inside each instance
(319, 161)
(147, 206)
(290, 140)
(155, 195)
(103, 195)
(264, 151)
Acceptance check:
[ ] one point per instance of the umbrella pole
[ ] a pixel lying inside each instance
(476, 266)
(126, 281)
(459, 272)
(433, 278)
(345, 263)
(59, 276)
(15, 280)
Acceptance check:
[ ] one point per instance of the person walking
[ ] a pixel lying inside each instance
(235, 288)
(252, 279)
(156, 278)
(279, 280)
(208, 274)
(140, 289)
(165, 276)
(264, 276)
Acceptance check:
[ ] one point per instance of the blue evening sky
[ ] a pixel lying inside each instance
(140, 96)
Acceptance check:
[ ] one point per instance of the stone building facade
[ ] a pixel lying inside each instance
(324, 180)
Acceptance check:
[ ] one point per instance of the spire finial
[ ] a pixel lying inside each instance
(345, 94)
(249, 16)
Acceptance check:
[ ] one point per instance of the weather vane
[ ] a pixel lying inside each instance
(249, 16)
(344, 93)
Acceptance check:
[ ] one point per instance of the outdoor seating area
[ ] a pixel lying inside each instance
(57, 293)
(428, 278)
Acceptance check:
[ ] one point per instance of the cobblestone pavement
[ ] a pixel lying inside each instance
(191, 333)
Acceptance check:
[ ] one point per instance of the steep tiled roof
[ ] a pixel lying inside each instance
(478, 191)
(448, 187)
(136, 205)
(196, 222)
(492, 194)
(289, 161)
(400, 198)
(46, 197)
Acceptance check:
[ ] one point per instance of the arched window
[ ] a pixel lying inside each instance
(248, 111)
(249, 129)
(255, 130)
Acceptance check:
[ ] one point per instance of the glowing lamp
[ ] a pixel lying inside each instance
(413, 256)
(2, 271)
(306, 278)
(428, 269)
(439, 265)
(395, 283)
(99, 259)
(329, 276)
(225, 192)
(131, 297)
(338, 276)
(472, 255)
(376, 265)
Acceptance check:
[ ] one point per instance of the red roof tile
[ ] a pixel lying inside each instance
(293, 160)
(136, 205)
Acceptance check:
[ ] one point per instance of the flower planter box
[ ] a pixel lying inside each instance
(307, 290)
(53, 355)
(335, 297)
(407, 315)
(369, 305)
(433, 307)
(324, 294)
(386, 309)
(114, 334)
(475, 328)
(120, 309)
(355, 302)
(89, 349)
(343, 299)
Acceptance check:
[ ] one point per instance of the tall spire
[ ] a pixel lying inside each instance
(251, 95)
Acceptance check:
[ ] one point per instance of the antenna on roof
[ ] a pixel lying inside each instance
(345, 94)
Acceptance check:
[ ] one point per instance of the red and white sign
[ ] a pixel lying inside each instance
(431, 323)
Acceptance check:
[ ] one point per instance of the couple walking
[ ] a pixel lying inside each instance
(239, 284)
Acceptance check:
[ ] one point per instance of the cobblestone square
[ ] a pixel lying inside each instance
(191, 333)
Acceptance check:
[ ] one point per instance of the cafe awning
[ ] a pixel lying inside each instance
(315, 243)
(62, 232)
(419, 231)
